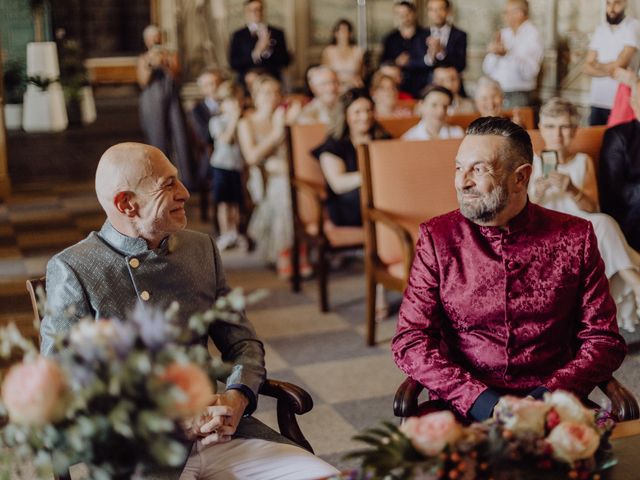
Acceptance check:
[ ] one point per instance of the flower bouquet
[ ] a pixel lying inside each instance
(115, 397)
(526, 439)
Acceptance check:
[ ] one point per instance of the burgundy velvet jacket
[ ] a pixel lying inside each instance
(507, 310)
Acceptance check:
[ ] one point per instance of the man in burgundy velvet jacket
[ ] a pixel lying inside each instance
(505, 296)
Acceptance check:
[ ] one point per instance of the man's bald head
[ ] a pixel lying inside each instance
(124, 168)
(140, 191)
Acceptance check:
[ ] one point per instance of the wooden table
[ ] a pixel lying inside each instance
(626, 445)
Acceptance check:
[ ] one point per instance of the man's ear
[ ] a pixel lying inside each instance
(523, 174)
(124, 203)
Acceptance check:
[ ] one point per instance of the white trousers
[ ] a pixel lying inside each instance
(254, 459)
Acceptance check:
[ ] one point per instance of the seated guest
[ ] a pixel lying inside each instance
(504, 296)
(337, 156)
(449, 78)
(570, 186)
(384, 92)
(392, 70)
(618, 180)
(325, 105)
(489, 100)
(433, 112)
(143, 254)
(344, 57)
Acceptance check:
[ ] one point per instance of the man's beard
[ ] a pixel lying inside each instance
(484, 208)
(616, 19)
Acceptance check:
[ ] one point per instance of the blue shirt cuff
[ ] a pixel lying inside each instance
(482, 408)
(538, 392)
(253, 401)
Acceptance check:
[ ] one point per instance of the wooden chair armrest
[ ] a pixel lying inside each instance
(311, 191)
(405, 402)
(291, 401)
(404, 237)
(623, 404)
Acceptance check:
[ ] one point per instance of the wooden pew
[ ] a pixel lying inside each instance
(398, 126)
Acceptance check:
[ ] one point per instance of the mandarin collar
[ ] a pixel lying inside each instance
(516, 224)
(131, 245)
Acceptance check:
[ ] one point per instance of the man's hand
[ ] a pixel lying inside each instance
(434, 46)
(263, 43)
(496, 46)
(402, 59)
(220, 421)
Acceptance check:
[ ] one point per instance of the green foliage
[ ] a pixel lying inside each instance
(73, 74)
(14, 82)
(41, 82)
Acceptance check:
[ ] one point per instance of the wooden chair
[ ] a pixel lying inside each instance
(291, 400)
(403, 185)
(588, 140)
(311, 222)
(624, 405)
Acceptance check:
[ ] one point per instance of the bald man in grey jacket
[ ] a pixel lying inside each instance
(144, 254)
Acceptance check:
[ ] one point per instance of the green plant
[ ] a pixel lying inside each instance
(73, 74)
(14, 82)
(41, 82)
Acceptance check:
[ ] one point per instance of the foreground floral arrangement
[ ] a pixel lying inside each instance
(116, 396)
(527, 439)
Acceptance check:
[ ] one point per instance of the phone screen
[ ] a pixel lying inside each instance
(549, 161)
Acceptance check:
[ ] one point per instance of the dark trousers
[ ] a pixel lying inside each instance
(599, 116)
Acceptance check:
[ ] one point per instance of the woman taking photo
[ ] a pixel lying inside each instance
(565, 181)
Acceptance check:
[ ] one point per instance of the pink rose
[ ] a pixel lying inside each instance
(32, 392)
(573, 441)
(195, 385)
(521, 414)
(431, 433)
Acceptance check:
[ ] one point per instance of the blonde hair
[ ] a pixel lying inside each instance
(558, 106)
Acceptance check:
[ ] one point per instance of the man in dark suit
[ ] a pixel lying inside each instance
(418, 51)
(446, 44)
(258, 45)
(620, 173)
(406, 47)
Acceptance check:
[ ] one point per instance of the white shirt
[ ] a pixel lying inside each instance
(608, 41)
(226, 156)
(419, 132)
(517, 70)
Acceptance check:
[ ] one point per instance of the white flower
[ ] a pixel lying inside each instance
(521, 414)
(569, 408)
(573, 441)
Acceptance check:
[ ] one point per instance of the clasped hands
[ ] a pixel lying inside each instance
(220, 420)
